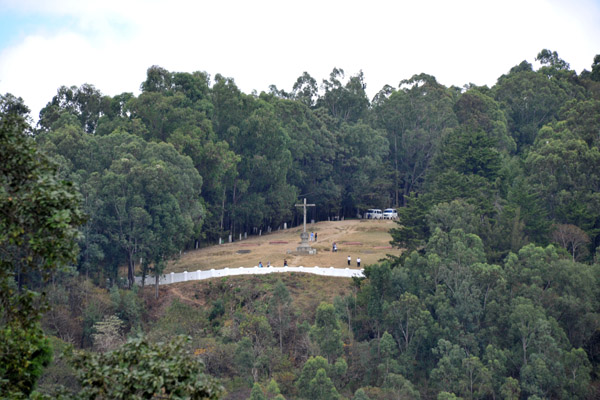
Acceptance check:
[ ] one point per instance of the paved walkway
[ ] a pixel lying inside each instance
(217, 273)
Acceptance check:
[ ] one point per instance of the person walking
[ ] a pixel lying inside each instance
(315, 236)
(334, 247)
(358, 262)
(260, 264)
(349, 260)
(285, 263)
(312, 236)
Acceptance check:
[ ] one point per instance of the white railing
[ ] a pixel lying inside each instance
(175, 277)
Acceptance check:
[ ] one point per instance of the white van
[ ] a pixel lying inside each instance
(390, 213)
(374, 213)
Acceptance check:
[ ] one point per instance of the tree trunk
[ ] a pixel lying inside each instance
(156, 286)
(130, 269)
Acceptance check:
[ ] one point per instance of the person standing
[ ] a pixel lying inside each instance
(358, 262)
(285, 263)
(349, 260)
(315, 236)
(312, 236)
(260, 264)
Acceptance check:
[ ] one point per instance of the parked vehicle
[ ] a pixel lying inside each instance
(390, 213)
(374, 213)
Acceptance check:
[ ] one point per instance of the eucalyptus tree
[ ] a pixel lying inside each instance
(345, 102)
(532, 99)
(144, 198)
(313, 149)
(86, 103)
(416, 117)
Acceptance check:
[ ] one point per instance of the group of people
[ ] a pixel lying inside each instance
(357, 261)
(260, 264)
(313, 237)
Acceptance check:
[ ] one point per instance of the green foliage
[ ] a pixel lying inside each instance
(39, 215)
(257, 392)
(360, 395)
(326, 332)
(24, 352)
(140, 369)
(483, 178)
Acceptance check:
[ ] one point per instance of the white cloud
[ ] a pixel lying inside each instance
(112, 43)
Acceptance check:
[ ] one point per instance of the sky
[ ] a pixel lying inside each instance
(45, 44)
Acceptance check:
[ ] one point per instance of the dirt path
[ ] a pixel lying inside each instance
(366, 239)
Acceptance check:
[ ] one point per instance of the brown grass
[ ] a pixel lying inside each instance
(368, 239)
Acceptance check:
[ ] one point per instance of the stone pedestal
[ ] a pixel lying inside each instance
(304, 247)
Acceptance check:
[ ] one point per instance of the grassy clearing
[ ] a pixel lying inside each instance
(372, 235)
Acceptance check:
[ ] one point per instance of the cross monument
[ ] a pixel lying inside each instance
(304, 246)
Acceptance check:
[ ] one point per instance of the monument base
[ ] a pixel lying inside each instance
(305, 248)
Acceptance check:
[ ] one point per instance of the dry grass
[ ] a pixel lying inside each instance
(307, 291)
(367, 239)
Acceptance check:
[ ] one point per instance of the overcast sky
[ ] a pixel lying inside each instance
(111, 43)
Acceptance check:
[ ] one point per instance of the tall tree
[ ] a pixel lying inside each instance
(39, 215)
(416, 117)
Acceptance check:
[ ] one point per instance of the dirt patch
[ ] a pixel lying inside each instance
(351, 236)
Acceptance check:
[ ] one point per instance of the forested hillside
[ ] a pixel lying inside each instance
(495, 296)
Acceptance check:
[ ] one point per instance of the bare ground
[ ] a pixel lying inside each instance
(367, 239)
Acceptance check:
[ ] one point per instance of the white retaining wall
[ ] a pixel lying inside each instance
(217, 273)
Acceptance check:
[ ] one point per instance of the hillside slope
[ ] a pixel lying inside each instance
(367, 239)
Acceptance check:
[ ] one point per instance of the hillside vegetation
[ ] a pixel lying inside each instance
(489, 290)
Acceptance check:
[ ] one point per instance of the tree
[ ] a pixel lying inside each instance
(510, 389)
(416, 118)
(86, 104)
(305, 89)
(326, 332)
(140, 369)
(143, 196)
(257, 392)
(528, 322)
(577, 369)
(477, 111)
(387, 350)
(39, 215)
(109, 333)
(595, 74)
(530, 100)
(347, 102)
(408, 319)
(360, 395)
(321, 387)
(280, 311)
(570, 237)
(314, 383)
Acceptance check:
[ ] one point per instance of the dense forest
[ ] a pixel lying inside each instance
(495, 296)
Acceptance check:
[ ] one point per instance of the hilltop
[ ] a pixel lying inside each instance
(367, 239)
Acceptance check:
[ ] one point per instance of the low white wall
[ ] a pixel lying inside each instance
(217, 273)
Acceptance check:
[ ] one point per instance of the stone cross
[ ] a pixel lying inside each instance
(305, 205)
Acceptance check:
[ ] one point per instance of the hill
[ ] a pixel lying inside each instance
(367, 239)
